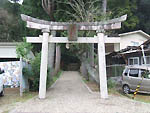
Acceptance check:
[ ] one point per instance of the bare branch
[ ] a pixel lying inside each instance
(44, 6)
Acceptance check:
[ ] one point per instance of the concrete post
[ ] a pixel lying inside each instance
(43, 68)
(102, 66)
(21, 87)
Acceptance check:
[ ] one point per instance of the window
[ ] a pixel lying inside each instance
(126, 72)
(134, 72)
(135, 43)
(147, 60)
(133, 61)
(145, 74)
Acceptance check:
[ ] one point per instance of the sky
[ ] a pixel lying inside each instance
(19, 1)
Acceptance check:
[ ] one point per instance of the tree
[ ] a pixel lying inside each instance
(104, 6)
(143, 9)
(11, 26)
(6, 21)
(48, 6)
(121, 7)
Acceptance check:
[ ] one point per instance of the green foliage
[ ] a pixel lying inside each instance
(120, 7)
(34, 9)
(144, 15)
(111, 84)
(35, 73)
(55, 77)
(11, 26)
(32, 72)
(23, 49)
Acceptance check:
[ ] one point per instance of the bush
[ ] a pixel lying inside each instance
(32, 72)
(23, 50)
(111, 84)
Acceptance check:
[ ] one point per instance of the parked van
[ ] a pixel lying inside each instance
(1, 83)
(132, 76)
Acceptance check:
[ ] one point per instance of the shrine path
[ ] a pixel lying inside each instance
(69, 95)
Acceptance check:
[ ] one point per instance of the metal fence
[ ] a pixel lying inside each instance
(114, 70)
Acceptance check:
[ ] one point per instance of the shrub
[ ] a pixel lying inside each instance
(32, 72)
(111, 84)
(23, 49)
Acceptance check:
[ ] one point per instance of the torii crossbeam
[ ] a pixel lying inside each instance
(47, 26)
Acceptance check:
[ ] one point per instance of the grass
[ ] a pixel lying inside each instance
(139, 96)
(26, 96)
(12, 96)
(55, 77)
(117, 91)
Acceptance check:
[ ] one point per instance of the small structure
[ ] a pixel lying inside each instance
(8, 51)
(134, 38)
(46, 27)
(10, 63)
(133, 55)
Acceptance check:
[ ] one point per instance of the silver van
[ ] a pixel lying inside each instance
(132, 76)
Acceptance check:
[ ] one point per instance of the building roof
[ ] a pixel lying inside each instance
(136, 32)
(8, 43)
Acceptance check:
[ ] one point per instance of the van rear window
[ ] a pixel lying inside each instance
(145, 74)
(126, 72)
(134, 72)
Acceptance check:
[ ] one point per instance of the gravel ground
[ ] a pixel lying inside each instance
(69, 95)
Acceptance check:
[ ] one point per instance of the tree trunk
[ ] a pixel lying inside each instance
(48, 6)
(57, 59)
(51, 52)
(104, 6)
(91, 55)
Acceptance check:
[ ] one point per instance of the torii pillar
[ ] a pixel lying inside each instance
(44, 62)
(102, 65)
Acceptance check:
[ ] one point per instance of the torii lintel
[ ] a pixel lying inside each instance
(42, 24)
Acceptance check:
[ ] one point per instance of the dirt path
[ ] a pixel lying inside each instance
(69, 95)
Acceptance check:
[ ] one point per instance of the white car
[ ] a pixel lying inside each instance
(1, 83)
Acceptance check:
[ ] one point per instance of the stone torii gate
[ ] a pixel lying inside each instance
(47, 26)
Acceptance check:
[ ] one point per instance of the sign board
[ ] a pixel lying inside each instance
(72, 32)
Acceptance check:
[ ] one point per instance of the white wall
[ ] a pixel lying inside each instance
(8, 52)
(131, 40)
(116, 46)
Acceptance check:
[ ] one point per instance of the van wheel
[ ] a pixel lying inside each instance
(126, 89)
(2, 93)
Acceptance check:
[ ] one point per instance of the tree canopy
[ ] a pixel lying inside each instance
(12, 28)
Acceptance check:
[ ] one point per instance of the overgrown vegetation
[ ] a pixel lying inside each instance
(55, 77)
(31, 70)
(111, 84)
(72, 10)
(23, 50)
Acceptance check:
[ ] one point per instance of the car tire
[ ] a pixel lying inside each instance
(2, 93)
(126, 89)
